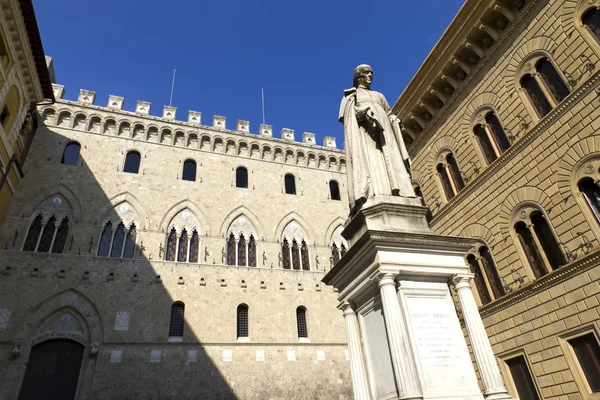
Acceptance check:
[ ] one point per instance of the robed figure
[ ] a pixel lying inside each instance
(377, 161)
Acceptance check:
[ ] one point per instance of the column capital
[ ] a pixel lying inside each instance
(460, 281)
(386, 278)
(346, 307)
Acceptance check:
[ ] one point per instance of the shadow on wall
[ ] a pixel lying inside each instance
(77, 325)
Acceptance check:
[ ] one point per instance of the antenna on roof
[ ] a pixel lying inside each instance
(262, 91)
(172, 86)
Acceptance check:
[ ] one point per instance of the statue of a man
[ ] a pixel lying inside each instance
(378, 163)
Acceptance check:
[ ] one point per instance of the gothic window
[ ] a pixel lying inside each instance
(132, 162)
(33, 234)
(252, 252)
(591, 193)
(545, 88)
(105, 239)
(61, 236)
(487, 280)
(587, 351)
(290, 184)
(305, 256)
(591, 20)
(522, 378)
(129, 249)
(47, 236)
(538, 242)
(285, 254)
(194, 247)
(242, 248)
(231, 246)
(295, 255)
(334, 190)
(242, 321)
(171, 245)
(71, 154)
(301, 322)
(182, 246)
(118, 241)
(176, 320)
(335, 253)
(189, 170)
(241, 177)
(449, 175)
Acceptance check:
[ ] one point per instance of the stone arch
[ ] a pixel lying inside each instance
(480, 232)
(535, 46)
(332, 228)
(570, 14)
(235, 214)
(80, 121)
(126, 197)
(34, 329)
(179, 207)
(483, 100)
(61, 190)
(205, 142)
(518, 197)
(443, 143)
(95, 123)
(574, 157)
(287, 219)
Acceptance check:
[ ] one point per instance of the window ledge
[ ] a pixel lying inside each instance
(243, 340)
(303, 340)
(175, 339)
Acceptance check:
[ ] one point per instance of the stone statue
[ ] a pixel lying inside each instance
(378, 163)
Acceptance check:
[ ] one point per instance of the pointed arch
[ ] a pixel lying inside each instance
(518, 197)
(61, 190)
(181, 206)
(331, 228)
(126, 197)
(292, 216)
(235, 214)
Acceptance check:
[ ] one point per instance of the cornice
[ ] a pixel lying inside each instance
(542, 125)
(434, 63)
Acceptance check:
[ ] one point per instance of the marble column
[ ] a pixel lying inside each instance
(405, 371)
(493, 385)
(360, 384)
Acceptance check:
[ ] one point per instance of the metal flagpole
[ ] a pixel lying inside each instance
(172, 86)
(262, 91)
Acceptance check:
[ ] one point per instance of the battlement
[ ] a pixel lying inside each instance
(116, 103)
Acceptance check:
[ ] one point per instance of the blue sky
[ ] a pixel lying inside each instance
(302, 53)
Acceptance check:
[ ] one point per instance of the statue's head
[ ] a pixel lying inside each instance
(363, 74)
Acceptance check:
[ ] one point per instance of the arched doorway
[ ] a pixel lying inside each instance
(52, 371)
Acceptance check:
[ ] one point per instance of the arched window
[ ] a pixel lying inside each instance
(71, 154)
(189, 170)
(335, 253)
(485, 143)
(241, 177)
(538, 242)
(129, 249)
(242, 249)
(51, 238)
(487, 280)
(117, 244)
(132, 162)
(10, 108)
(231, 247)
(176, 320)
(305, 256)
(242, 321)
(301, 322)
(171, 248)
(285, 254)
(450, 176)
(591, 193)
(497, 132)
(296, 255)
(491, 137)
(591, 20)
(334, 190)
(194, 247)
(118, 241)
(252, 252)
(290, 184)
(182, 246)
(546, 88)
(105, 240)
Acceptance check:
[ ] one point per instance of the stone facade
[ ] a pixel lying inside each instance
(481, 65)
(120, 308)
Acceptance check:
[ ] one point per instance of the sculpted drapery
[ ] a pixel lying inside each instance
(377, 160)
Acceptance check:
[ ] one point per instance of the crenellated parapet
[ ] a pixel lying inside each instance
(84, 115)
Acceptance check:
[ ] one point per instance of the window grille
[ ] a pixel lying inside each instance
(242, 321)
(176, 322)
(587, 351)
(301, 321)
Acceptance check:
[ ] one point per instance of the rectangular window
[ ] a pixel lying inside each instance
(587, 350)
(522, 378)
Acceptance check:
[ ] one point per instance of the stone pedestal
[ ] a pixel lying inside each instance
(394, 284)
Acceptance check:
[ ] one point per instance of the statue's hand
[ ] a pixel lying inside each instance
(362, 114)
